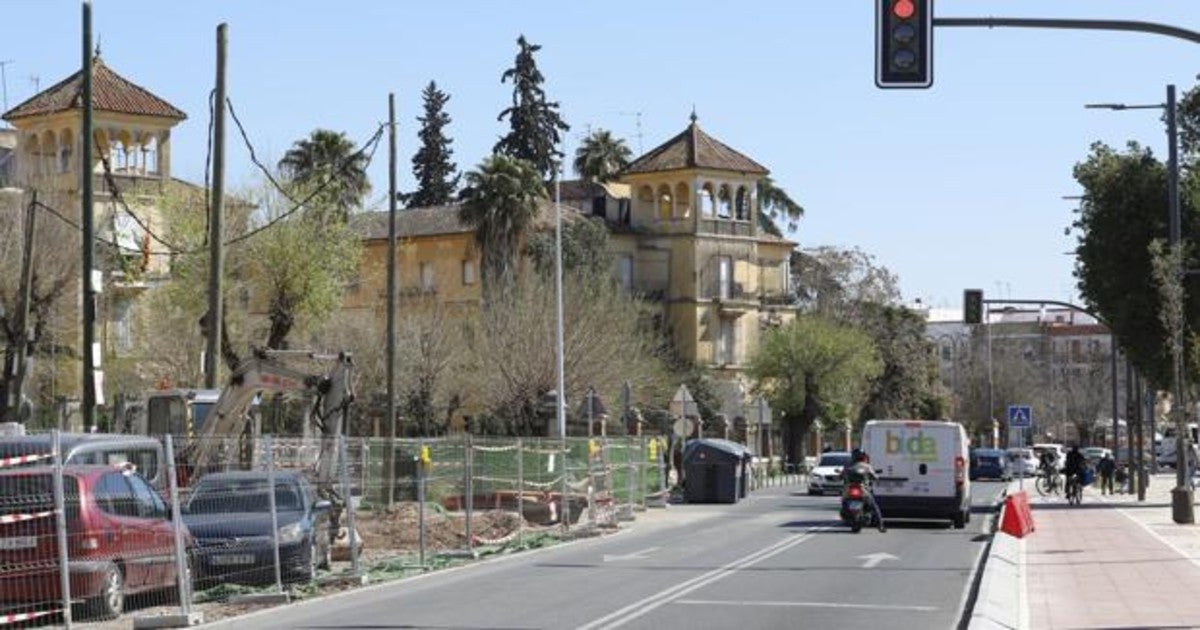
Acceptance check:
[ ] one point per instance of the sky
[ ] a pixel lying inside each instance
(959, 186)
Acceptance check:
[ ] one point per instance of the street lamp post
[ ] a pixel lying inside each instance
(1181, 495)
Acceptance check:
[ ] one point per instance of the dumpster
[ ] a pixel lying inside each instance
(715, 471)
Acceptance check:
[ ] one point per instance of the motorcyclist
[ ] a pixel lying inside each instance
(859, 471)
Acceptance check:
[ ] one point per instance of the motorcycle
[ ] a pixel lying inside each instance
(854, 510)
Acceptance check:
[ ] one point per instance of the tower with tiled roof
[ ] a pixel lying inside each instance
(132, 130)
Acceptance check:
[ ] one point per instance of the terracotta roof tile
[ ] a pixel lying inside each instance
(437, 220)
(694, 149)
(110, 92)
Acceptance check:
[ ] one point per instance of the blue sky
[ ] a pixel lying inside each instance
(957, 186)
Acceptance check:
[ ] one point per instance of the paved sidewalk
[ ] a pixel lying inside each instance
(1112, 562)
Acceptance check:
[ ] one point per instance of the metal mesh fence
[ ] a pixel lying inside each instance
(261, 520)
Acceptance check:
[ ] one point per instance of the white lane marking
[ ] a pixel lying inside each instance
(637, 555)
(1023, 595)
(872, 560)
(645, 605)
(712, 602)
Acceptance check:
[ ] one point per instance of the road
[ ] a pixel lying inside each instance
(777, 560)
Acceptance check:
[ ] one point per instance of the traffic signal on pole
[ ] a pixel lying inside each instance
(972, 306)
(903, 43)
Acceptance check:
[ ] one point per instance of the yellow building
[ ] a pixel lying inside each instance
(684, 227)
(131, 172)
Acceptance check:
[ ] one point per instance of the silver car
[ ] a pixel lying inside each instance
(826, 476)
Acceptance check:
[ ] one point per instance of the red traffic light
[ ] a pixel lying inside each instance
(904, 9)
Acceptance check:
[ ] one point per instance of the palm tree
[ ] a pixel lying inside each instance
(776, 203)
(329, 162)
(601, 157)
(500, 202)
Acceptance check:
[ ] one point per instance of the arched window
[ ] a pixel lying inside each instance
(707, 207)
(33, 155)
(743, 204)
(683, 201)
(49, 153)
(65, 143)
(724, 202)
(666, 203)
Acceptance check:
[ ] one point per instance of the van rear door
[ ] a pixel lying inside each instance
(914, 458)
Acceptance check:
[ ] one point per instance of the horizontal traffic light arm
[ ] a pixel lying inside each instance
(1074, 307)
(1089, 25)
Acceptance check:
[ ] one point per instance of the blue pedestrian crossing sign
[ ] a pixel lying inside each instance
(1020, 416)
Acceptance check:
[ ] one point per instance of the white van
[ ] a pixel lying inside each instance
(922, 468)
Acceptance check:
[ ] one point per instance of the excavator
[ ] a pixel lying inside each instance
(215, 436)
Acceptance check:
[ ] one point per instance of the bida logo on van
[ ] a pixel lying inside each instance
(916, 447)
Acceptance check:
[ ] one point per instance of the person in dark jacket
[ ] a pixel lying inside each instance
(1107, 468)
(860, 471)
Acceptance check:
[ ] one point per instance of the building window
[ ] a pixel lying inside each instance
(785, 270)
(468, 272)
(708, 208)
(426, 276)
(724, 277)
(599, 206)
(623, 211)
(724, 202)
(743, 204)
(666, 204)
(625, 272)
(725, 342)
(122, 327)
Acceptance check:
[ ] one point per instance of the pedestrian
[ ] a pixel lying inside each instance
(1107, 468)
(1123, 478)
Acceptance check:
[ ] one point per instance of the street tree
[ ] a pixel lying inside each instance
(328, 164)
(55, 277)
(437, 176)
(500, 203)
(1124, 208)
(601, 157)
(585, 246)
(837, 282)
(534, 123)
(811, 368)
(907, 387)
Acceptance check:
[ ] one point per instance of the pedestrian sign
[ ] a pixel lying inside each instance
(1020, 416)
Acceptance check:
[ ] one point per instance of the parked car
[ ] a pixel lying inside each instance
(826, 476)
(120, 538)
(989, 463)
(1060, 453)
(1094, 454)
(1022, 462)
(229, 514)
(113, 449)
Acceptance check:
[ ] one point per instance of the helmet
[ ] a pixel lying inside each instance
(857, 455)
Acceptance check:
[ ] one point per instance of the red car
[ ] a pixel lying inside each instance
(120, 539)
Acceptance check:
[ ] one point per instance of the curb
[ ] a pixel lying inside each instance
(1000, 601)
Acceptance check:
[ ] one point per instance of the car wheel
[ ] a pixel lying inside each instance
(959, 519)
(813, 492)
(111, 601)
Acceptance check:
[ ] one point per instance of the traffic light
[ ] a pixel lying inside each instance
(972, 306)
(903, 43)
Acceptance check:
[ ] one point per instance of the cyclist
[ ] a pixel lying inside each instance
(1074, 468)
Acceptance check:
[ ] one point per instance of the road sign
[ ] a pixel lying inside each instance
(1020, 416)
(684, 426)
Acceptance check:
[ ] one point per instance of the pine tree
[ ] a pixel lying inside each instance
(534, 122)
(437, 177)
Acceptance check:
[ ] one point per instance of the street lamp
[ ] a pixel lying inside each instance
(1181, 495)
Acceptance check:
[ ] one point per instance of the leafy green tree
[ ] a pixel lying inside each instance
(534, 122)
(500, 202)
(907, 387)
(601, 157)
(1124, 209)
(776, 205)
(838, 282)
(437, 177)
(809, 367)
(329, 162)
(585, 248)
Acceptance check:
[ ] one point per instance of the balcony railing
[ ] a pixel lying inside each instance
(725, 226)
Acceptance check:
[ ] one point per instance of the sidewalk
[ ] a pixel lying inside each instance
(1112, 562)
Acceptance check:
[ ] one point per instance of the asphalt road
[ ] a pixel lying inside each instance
(779, 559)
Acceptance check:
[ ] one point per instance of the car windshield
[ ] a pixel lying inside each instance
(834, 460)
(242, 495)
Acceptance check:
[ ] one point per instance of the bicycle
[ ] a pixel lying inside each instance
(1074, 490)
(1049, 483)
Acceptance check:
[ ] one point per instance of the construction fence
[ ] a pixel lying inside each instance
(165, 538)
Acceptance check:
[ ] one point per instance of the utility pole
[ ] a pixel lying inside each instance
(389, 464)
(1181, 496)
(23, 308)
(216, 253)
(4, 80)
(86, 224)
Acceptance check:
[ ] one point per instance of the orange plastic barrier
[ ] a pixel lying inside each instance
(1017, 518)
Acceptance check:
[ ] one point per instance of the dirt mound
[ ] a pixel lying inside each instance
(399, 528)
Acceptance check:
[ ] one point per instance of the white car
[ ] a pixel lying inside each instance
(1022, 462)
(826, 476)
